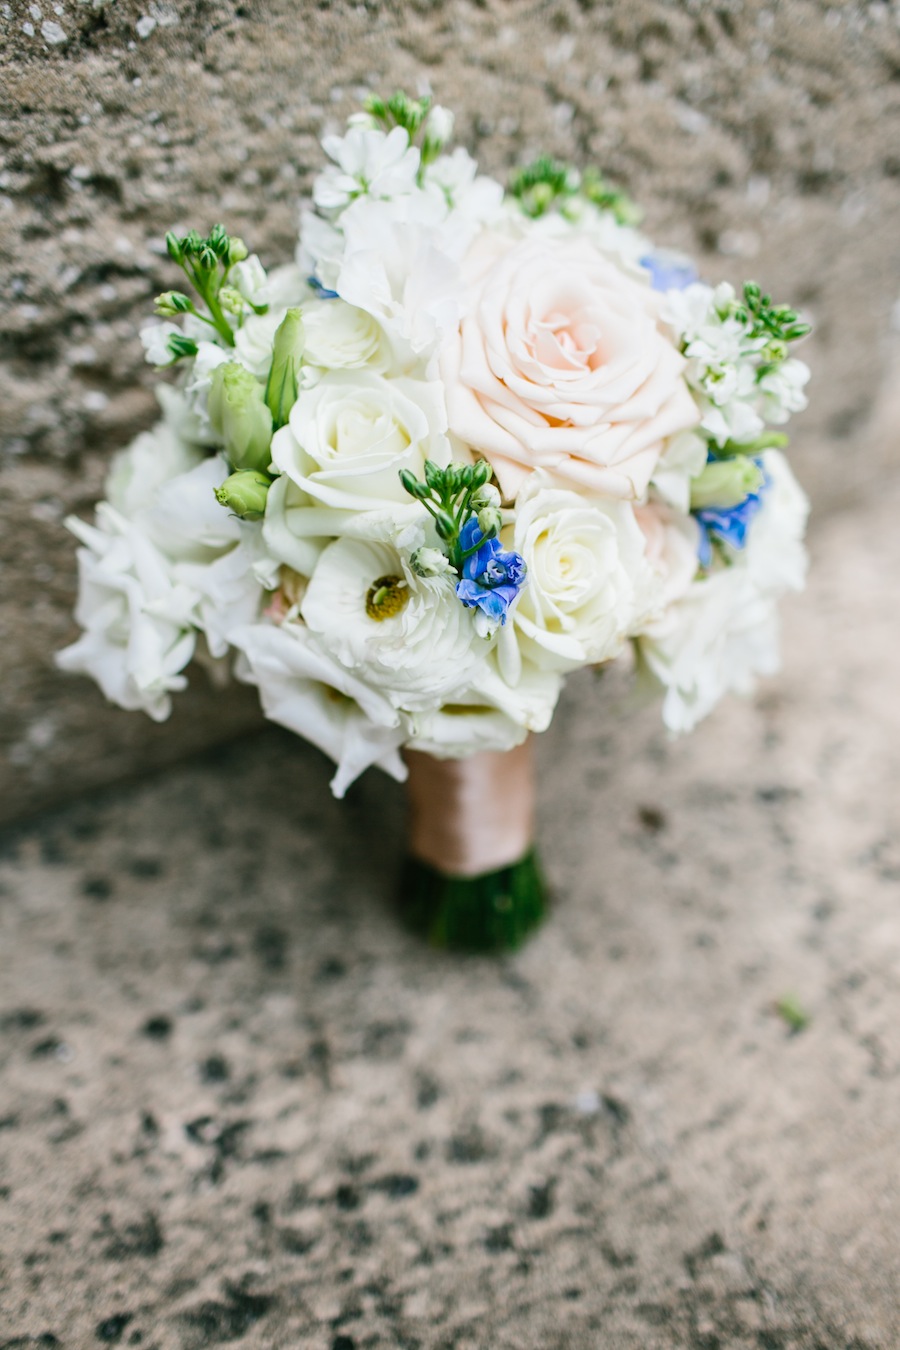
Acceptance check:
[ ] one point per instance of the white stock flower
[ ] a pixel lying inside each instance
(351, 434)
(250, 280)
(774, 554)
(197, 385)
(407, 636)
(683, 459)
(366, 163)
(155, 341)
(782, 390)
(439, 125)
(305, 690)
(137, 632)
(586, 569)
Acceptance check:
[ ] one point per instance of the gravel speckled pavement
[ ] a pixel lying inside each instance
(239, 1105)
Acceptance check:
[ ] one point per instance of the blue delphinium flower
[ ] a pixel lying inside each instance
(669, 271)
(321, 291)
(492, 576)
(729, 524)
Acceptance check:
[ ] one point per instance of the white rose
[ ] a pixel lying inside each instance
(351, 434)
(407, 636)
(296, 527)
(340, 337)
(138, 635)
(585, 560)
(560, 363)
(303, 689)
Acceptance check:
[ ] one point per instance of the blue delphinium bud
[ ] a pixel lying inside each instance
(492, 576)
(729, 524)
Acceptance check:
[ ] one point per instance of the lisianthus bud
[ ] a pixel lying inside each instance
(489, 521)
(238, 413)
(245, 493)
(431, 562)
(725, 483)
(287, 357)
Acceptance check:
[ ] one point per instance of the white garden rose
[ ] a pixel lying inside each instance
(305, 690)
(560, 362)
(586, 568)
(296, 527)
(137, 631)
(405, 635)
(351, 434)
(339, 336)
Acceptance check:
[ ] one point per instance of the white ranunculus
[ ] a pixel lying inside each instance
(586, 565)
(137, 632)
(464, 728)
(338, 336)
(366, 163)
(405, 635)
(139, 471)
(305, 690)
(351, 434)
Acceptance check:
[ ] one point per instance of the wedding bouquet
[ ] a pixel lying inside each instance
(468, 441)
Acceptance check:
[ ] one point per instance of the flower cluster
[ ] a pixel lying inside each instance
(467, 442)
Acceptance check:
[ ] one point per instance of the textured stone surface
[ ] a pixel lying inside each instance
(240, 1106)
(761, 136)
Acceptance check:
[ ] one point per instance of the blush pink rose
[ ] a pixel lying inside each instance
(560, 364)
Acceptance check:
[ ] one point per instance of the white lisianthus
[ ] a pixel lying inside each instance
(774, 554)
(185, 521)
(139, 471)
(137, 632)
(351, 434)
(228, 590)
(405, 635)
(255, 339)
(585, 558)
(718, 639)
(366, 163)
(340, 337)
(305, 690)
(197, 386)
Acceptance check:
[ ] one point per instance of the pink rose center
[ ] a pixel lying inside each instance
(563, 341)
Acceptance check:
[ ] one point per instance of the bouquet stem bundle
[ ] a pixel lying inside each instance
(471, 881)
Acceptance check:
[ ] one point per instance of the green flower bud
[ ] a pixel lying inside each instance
(174, 248)
(443, 523)
(207, 259)
(173, 302)
(434, 476)
(238, 413)
(482, 473)
(192, 242)
(489, 521)
(231, 300)
(237, 250)
(410, 482)
(218, 240)
(725, 483)
(287, 357)
(180, 346)
(245, 493)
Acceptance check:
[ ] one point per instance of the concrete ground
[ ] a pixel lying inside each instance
(241, 1105)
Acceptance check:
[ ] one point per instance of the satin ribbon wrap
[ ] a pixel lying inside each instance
(471, 816)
